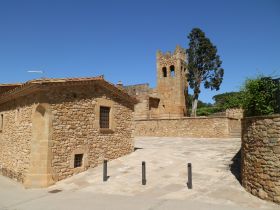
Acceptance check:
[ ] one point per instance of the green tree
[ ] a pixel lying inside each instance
(229, 100)
(204, 65)
(200, 105)
(260, 96)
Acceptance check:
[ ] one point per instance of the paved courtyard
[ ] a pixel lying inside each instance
(215, 184)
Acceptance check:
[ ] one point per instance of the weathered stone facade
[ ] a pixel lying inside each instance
(47, 122)
(162, 110)
(199, 127)
(168, 99)
(261, 156)
(15, 138)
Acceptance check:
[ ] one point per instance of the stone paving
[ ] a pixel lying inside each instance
(214, 185)
(166, 160)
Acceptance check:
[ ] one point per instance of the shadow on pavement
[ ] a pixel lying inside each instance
(235, 167)
(136, 148)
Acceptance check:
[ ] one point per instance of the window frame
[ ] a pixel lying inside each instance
(104, 111)
(104, 102)
(78, 160)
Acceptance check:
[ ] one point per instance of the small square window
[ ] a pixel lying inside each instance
(104, 120)
(78, 160)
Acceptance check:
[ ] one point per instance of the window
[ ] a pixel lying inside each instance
(153, 103)
(164, 72)
(172, 71)
(104, 121)
(1, 122)
(78, 160)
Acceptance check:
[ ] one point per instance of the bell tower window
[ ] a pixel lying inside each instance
(172, 71)
(164, 72)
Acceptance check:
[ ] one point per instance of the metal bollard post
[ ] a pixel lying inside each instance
(144, 181)
(105, 171)
(189, 176)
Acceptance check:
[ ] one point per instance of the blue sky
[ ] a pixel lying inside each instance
(119, 39)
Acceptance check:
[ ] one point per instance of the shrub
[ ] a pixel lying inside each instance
(229, 100)
(205, 111)
(260, 96)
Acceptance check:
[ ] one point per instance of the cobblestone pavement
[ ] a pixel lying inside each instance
(214, 184)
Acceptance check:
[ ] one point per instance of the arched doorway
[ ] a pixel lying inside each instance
(40, 171)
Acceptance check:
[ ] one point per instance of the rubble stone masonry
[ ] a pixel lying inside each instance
(76, 129)
(15, 138)
(200, 127)
(70, 125)
(261, 156)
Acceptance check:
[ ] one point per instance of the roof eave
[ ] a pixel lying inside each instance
(34, 86)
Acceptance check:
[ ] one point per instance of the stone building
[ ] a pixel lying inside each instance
(51, 129)
(168, 99)
(162, 111)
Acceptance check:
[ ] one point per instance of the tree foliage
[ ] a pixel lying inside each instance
(229, 100)
(260, 96)
(206, 111)
(204, 65)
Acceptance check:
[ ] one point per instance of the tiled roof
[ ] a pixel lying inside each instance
(27, 87)
(75, 79)
(10, 85)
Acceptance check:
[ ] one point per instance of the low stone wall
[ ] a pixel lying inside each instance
(200, 127)
(261, 156)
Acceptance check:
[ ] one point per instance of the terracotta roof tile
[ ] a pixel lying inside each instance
(32, 84)
(73, 79)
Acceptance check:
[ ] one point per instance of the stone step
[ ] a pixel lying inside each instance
(235, 135)
(237, 129)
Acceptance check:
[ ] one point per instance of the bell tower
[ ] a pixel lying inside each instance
(172, 82)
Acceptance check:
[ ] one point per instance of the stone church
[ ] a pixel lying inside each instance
(51, 129)
(168, 99)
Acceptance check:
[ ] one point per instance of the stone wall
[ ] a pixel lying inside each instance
(136, 90)
(205, 127)
(141, 92)
(261, 156)
(15, 138)
(76, 128)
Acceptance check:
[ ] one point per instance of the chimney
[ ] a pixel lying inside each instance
(120, 84)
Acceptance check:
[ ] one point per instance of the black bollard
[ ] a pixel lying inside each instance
(189, 176)
(144, 181)
(105, 176)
